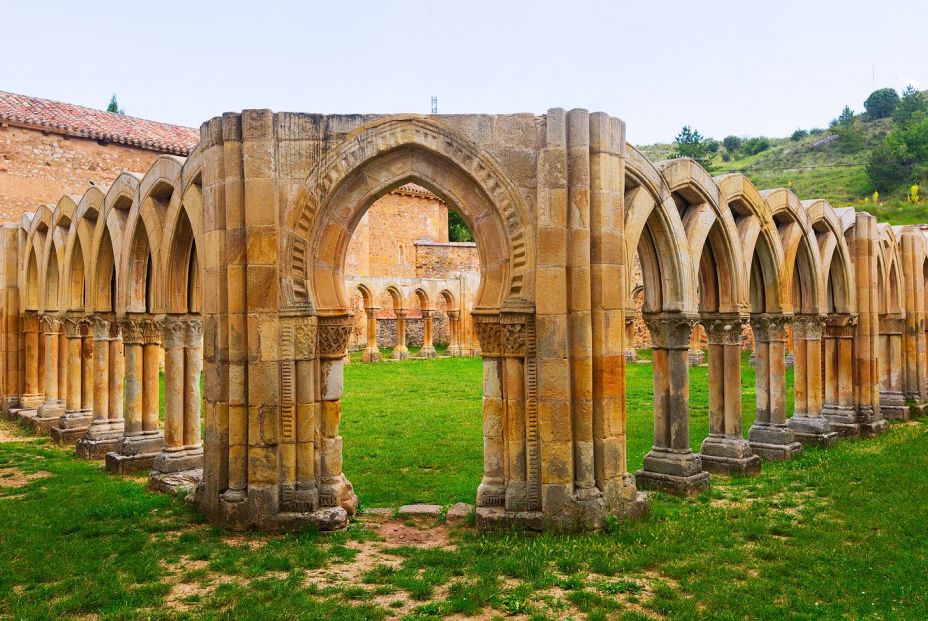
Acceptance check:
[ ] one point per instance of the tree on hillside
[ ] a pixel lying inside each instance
(850, 138)
(798, 135)
(732, 143)
(755, 145)
(881, 103)
(902, 157)
(912, 104)
(114, 106)
(690, 143)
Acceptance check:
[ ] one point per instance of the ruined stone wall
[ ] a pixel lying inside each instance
(435, 260)
(37, 167)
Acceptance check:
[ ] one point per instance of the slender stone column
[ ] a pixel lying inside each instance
(671, 465)
(770, 436)
(77, 418)
(115, 374)
(428, 349)
(808, 423)
(104, 434)
(492, 489)
(142, 440)
(371, 352)
(839, 361)
(52, 408)
(892, 397)
(726, 450)
(400, 351)
(912, 241)
(696, 354)
(193, 368)
(454, 335)
(31, 399)
(630, 354)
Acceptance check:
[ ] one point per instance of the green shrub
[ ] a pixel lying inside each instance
(881, 103)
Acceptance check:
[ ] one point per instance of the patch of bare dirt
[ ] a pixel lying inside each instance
(10, 433)
(14, 477)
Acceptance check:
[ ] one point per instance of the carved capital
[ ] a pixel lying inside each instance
(151, 331)
(371, 312)
(115, 329)
(724, 330)
(401, 313)
(30, 322)
(73, 327)
(100, 328)
(131, 331)
(670, 331)
(194, 332)
(173, 329)
(892, 324)
(334, 333)
(51, 324)
(808, 327)
(298, 338)
(489, 333)
(768, 328)
(454, 315)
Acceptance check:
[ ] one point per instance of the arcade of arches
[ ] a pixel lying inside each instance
(231, 263)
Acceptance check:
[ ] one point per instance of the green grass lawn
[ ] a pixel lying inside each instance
(834, 534)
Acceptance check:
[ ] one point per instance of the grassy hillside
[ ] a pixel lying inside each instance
(817, 166)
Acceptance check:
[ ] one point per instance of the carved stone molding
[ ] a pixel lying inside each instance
(304, 342)
(768, 328)
(514, 334)
(670, 331)
(30, 322)
(454, 315)
(73, 327)
(401, 313)
(808, 327)
(100, 327)
(51, 324)
(115, 329)
(892, 324)
(334, 334)
(724, 330)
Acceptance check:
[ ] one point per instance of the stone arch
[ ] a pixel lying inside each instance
(422, 298)
(54, 260)
(384, 155)
(79, 263)
(32, 277)
(181, 279)
(141, 251)
(891, 317)
(802, 264)
(837, 273)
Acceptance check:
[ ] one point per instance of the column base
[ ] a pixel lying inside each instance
(71, 427)
(134, 453)
(455, 352)
(790, 361)
(427, 352)
(679, 473)
(240, 510)
(813, 430)
(729, 456)
(31, 402)
(177, 483)
(848, 421)
(181, 459)
(491, 495)
(400, 354)
(25, 415)
(893, 406)
(370, 355)
(697, 357)
(47, 417)
(774, 442)
(631, 355)
(101, 438)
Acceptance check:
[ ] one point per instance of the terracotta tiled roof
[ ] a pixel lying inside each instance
(71, 120)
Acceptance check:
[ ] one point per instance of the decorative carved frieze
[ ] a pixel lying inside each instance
(152, 330)
(51, 324)
(304, 342)
(670, 331)
(769, 328)
(723, 330)
(808, 327)
(131, 331)
(489, 333)
(892, 324)
(100, 327)
(73, 327)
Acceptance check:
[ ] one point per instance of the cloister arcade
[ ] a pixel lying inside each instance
(230, 264)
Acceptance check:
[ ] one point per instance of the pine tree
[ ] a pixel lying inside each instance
(114, 106)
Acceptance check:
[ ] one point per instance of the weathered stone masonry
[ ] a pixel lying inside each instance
(233, 259)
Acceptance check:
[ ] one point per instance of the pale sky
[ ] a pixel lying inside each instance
(722, 67)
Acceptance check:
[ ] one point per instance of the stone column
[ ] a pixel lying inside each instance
(31, 399)
(178, 390)
(142, 440)
(103, 434)
(52, 408)
(428, 349)
(193, 368)
(400, 351)
(87, 368)
(492, 489)
(892, 397)
(116, 373)
(726, 450)
(839, 369)
(631, 354)
(75, 421)
(696, 354)
(454, 335)
(808, 424)
(371, 352)
(913, 243)
(770, 436)
(671, 465)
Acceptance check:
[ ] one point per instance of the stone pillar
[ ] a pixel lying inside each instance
(492, 489)
(790, 350)
(726, 450)
(915, 379)
(52, 408)
(76, 419)
(103, 434)
(371, 352)
(142, 440)
(892, 397)
(400, 351)
(808, 423)
(631, 355)
(839, 369)
(671, 465)
(696, 354)
(770, 436)
(300, 491)
(31, 399)
(428, 349)
(181, 415)
(454, 333)
(116, 374)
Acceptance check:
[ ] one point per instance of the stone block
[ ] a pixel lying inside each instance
(459, 513)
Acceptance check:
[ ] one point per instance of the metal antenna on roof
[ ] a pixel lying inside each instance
(434, 104)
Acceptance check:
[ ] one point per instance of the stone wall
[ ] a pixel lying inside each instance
(436, 260)
(37, 167)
